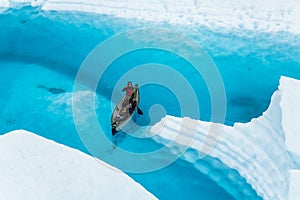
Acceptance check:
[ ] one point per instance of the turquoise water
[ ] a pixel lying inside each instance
(39, 100)
(40, 54)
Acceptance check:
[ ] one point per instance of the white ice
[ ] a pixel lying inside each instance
(4, 3)
(218, 15)
(294, 192)
(33, 167)
(290, 101)
(263, 151)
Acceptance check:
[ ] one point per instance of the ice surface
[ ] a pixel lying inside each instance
(258, 150)
(290, 96)
(33, 167)
(294, 192)
(228, 14)
(4, 3)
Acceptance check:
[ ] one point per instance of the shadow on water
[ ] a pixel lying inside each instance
(52, 89)
(246, 107)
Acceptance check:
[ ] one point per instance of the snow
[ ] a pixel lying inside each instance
(258, 150)
(33, 167)
(294, 192)
(266, 16)
(4, 3)
(290, 95)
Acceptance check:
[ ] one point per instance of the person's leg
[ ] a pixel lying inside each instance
(126, 101)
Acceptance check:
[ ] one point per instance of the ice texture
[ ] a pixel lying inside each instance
(294, 192)
(266, 16)
(263, 151)
(33, 167)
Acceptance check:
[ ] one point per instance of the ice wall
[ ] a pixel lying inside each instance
(33, 167)
(218, 15)
(259, 150)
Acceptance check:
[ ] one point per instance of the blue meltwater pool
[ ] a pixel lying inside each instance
(40, 100)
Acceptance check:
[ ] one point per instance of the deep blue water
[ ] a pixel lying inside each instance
(40, 53)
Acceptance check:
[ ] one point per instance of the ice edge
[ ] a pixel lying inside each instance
(263, 151)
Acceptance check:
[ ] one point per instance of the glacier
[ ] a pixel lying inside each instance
(244, 147)
(33, 167)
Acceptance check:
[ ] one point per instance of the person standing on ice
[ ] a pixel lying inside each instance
(129, 92)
